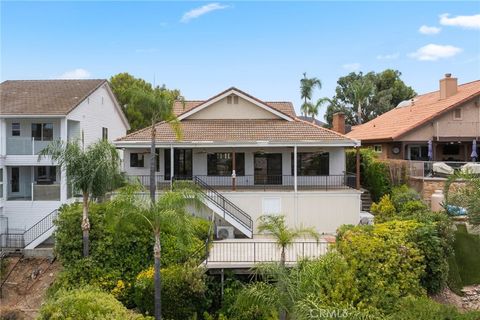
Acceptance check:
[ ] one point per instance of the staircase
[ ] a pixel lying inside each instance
(225, 208)
(31, 238)
(366, 200)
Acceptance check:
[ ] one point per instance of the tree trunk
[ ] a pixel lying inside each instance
(157, 279)
(359, 113)
(282, 314)
(85, 225)
(152, 163)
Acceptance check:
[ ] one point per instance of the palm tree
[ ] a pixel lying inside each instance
(161, 105)
(307, 86)
(284, 236)
(169, 211)
(92, 171)
(361, 91)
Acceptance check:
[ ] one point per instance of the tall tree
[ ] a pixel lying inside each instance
(284, 236)
(92, 171)
(388, 91)
(160, 103)
(307, 86)
(362, 90)
(125, 86)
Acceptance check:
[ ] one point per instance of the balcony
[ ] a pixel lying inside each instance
(37, 192)
(259, 182)
(25, 146)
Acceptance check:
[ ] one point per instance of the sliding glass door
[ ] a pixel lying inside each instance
(268, 168)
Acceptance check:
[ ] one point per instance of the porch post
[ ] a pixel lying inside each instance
(172, 165)
(357, 168)
(234, 171)
(63, 172)
(295, 168)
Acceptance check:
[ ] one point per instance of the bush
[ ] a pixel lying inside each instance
(117, 255)
(384, 210)
(423, 308)
(387, 266)
(467, 256)
(403, 195)
(183, 291)
(85, 304)
(374, 174)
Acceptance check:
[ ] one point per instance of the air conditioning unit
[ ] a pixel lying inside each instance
(224, 232)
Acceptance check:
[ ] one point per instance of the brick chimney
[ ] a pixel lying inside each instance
(448, 86)
(338, 122)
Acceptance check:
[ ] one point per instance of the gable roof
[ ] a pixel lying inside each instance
(184, 109)
(44, 97)
(241, 131)
(398, 121)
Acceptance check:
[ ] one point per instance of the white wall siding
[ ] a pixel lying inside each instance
(98, 111)
(24, 214)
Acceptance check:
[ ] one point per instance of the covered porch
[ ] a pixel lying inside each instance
(288, 168)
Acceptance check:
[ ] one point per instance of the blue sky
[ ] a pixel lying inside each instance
(263, 48)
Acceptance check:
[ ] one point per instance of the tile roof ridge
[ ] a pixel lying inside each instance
(326, 129)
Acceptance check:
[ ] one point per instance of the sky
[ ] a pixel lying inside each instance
(263, 48)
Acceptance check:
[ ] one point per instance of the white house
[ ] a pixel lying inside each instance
(32, 114)
(251, 157)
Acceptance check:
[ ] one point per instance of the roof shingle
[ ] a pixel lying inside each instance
(52, 97)
(398, 121)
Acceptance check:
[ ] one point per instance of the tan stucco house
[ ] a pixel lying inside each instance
(448, 119)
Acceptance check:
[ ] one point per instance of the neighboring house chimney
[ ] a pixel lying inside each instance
(338, 122)
(448, 86)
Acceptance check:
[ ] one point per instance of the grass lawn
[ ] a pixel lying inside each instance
(467, 256)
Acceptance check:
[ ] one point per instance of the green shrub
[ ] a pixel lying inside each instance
(374, 174)
(183, 291)
(384, 210)
(467, 256)
(423, 308)
(85, 304)
(402, 195)
(386, 264)
(117, 255)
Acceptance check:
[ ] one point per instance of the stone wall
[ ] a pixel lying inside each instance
(427, 186)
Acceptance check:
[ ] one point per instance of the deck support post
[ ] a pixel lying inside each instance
(222, 280)
(295, 168)
(357, 168)
(234, 171)
(172, 166)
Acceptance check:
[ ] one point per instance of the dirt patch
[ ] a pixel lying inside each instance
(24, 290)
(470, 301)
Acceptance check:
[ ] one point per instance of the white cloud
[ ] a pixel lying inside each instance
(75, 74)
(468, 22)
(352, 66)
(433, 52)
(429, 30)
(390, 56)
(200, 11)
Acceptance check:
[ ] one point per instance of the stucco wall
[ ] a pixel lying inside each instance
(243, 110)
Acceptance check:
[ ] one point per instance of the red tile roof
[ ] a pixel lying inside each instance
(398, 121)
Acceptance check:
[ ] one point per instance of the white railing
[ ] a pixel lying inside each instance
(45, 192)
(260, 251)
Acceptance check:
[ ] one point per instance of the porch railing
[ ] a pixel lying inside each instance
(25, 146)
(225, 251)
(160, 180)
(436, 169)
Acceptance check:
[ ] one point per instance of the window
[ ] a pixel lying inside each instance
(419, 153)
(232, 99)
(377, 148)
(451, 149)
(15, 129)
(136, 160)
(312, 164)
(45, 174)
(42, 131)
(104, 133)
(221, 164)
(457, 114)
(1, 183)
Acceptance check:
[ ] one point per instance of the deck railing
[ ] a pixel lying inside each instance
(432, 169)
(225, 251)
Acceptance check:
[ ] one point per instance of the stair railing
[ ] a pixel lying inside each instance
(39, 228)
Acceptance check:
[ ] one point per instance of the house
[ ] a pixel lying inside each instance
(32, 114)
(251, 157)
(447, 119)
